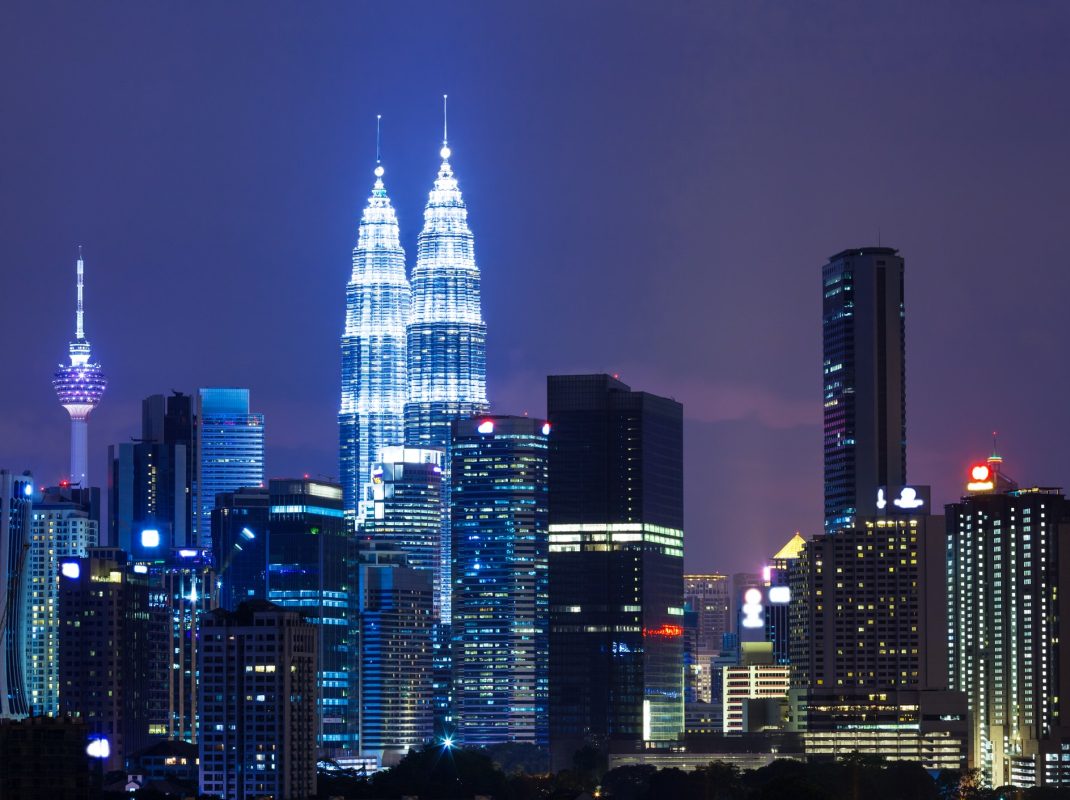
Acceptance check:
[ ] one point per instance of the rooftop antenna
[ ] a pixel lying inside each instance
(445, 152)
(995, 460)
(378, 139)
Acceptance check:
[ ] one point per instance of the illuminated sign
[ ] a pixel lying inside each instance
(150, 537)
(187, 553)
(98, 748)
(981, 479)
(779, 595)
(891, 499)
(486, 426)
(664, 632)
(752, 609)
(546, 429)
(70, 569)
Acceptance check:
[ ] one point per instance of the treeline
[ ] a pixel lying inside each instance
(438, 773)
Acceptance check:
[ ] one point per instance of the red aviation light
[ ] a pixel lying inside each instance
(981, 479)
(664, 632)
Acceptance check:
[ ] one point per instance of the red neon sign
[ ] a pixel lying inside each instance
(665, 631)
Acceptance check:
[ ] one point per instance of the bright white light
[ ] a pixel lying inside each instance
(28, 490)
(140, 569)
(881, 502)
(752, 609)
(447, 742)
(70, 569)
(908, 498)
(445, 152)
(150, 537)
(187, 553)
(779, 594)
(248, 534)
(98, 748)
(752, 597)
(546, 429)
(379, 171)
(486, 426)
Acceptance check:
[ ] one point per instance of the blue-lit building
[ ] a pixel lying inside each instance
(864, 367)
(240, 522)
(312, 568)
(500, 520)
(229, 453)
(80, 386)
(396, 668)
(374, 350)
(16, 500)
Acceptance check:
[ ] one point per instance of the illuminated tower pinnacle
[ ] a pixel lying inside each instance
(79, 387)
(378, 297)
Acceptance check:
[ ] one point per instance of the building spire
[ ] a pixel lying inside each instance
(445, 151)
(79, 323)
(378, 140)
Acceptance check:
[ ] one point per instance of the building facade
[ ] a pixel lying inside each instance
(240, 521)
(312, 568)
(80, 386)
(707, 596)
(16, 501)
(374, 346)
(500, 580)
(1006, 572)
(65, 525)
(616, 565)
(229, 444)
(259, 704)
(864, 379)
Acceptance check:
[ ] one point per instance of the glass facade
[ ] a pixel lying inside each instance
(864, 366)
(374, 355)
(230, 453)
(240, 520)
(16, 500)
(312, 568)
(500, 580)
(616, 565)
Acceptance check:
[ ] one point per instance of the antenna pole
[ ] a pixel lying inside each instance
(445, 138)
(378, 138)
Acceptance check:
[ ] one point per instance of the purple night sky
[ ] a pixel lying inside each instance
(653, 188)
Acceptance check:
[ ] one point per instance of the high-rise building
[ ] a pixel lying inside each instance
(374, 346)
(446, 333)
(113, 657)
(616, 565)
(229, 453)
(65, 525)
(396, 685)
(756, 678)
(240, 522)
(777, 596)
(80, 386)
(864, 371)
(707, 596)
(500, 576)
(1007, 573)
(258, 704)
(16, 501)
(312, 568)
(404, 511)
(149, 484)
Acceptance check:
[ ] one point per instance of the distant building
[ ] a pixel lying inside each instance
(167, 760)
(396, 686)
(113, 658)
(863, 321)
(708, 596)
(1007, 574)
(240, 522)
(65, 525)
(44, 757)
(777, 598)
(229, 453)
(312, 568)
(616, 565)
(500, 598)
(258, 704)
(16, 501)
(757, 678)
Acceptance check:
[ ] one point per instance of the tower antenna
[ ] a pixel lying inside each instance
(79, 317)
(445, 138)
(378, 139)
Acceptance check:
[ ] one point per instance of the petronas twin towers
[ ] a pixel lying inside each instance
(413, 356)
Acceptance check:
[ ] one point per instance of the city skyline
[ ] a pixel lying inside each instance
(753, 420)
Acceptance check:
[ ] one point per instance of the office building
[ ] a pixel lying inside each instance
(240, 522)
(16, 501)
(1007, 571)
(150, 481)
(229, 444)
(258, 704)
(707, 596)
(113, 655)
(312, 568)
(864, 390)
(616, 565)
(80, 386)
(65, 524)
(396, 681)
(374, 346)
(757, 678)
(500, 577)
(777, 598)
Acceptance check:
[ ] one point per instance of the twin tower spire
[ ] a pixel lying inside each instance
(413, 354)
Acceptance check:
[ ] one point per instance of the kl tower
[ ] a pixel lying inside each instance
(79, 387)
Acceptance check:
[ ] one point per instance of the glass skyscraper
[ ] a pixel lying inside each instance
(230, 452)
(500, 580)
(374, 387)
(616, 565)
(16, 500)
(864, 380)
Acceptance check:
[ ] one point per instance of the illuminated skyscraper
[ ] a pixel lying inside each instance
(79, 387)
(864, 371)
(446, 335)
(378, 298)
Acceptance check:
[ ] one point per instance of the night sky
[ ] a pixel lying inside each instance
(653, 189)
